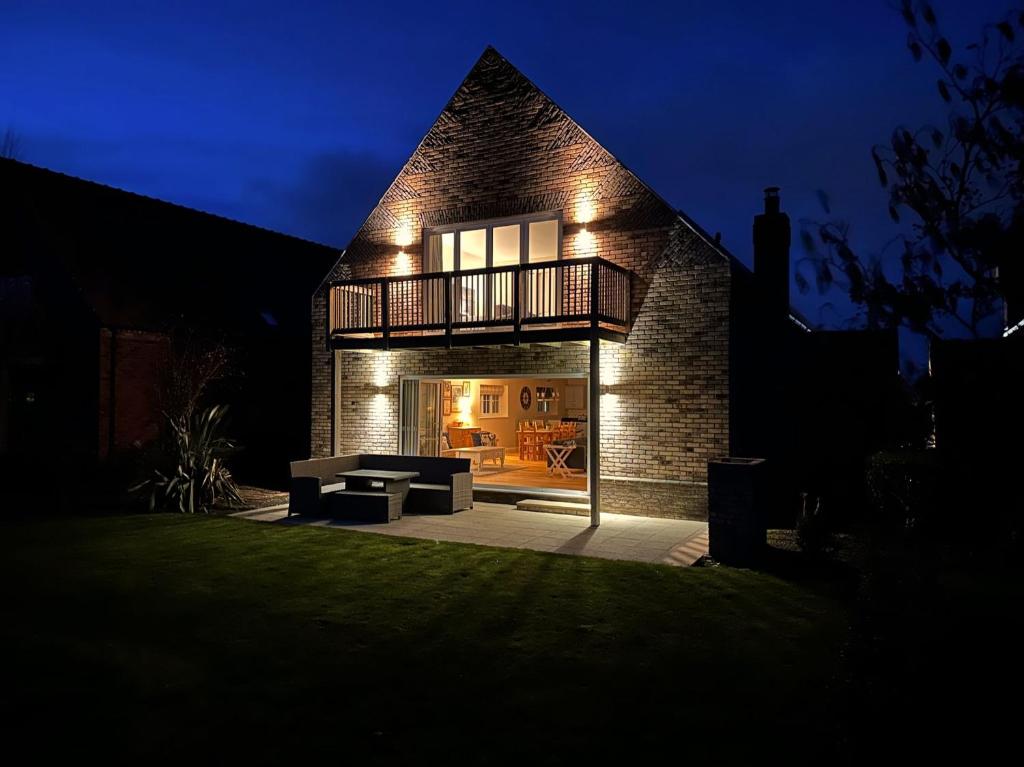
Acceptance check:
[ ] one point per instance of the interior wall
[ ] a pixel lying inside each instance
(505, 427)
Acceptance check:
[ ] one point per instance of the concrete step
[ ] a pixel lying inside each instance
(554, 507)
(511, 495)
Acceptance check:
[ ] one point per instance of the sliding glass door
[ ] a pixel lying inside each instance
(488, 245)
(420, 426)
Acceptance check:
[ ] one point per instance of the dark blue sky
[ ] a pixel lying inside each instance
(295, 116)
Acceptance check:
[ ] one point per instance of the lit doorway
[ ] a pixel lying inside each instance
(520, 432)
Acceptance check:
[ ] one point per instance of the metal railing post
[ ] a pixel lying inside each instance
(517, 311)
(448, 310)
(385, 320)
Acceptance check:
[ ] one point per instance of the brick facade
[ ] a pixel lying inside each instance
(131, 387)
(502, 148)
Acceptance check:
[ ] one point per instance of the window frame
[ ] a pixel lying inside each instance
(502, 397)
(489, 225)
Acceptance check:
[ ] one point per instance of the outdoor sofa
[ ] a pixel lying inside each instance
(444, 485)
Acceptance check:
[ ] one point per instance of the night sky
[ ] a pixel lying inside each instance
(295, 116)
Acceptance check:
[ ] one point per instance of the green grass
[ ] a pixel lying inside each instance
(171, 636)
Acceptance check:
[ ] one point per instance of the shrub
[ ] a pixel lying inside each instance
(903, 488)
(197, 477)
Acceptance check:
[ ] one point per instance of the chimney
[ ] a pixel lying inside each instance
(771, 256)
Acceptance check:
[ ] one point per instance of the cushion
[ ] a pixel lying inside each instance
(428, 486)
(478, 438)
(446, 443)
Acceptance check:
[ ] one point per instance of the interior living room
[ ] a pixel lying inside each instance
(518, 432)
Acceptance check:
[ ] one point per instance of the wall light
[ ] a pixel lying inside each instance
(403, 235)
(403, 264)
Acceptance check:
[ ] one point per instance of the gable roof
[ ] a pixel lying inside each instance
(137, 262)
(540, 124)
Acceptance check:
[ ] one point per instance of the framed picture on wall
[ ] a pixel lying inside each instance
(446, 389)
(446, 406)
(456, 391)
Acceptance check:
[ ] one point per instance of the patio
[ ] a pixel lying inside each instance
(620, 536)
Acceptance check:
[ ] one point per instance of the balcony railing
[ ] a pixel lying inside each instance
(554, 299)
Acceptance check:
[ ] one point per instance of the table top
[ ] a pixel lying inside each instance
(378, 474)
(477, 448)
(557, 448)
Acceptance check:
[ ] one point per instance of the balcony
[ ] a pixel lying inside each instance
(551, 301)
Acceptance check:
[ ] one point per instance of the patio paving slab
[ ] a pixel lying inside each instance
(620, 536)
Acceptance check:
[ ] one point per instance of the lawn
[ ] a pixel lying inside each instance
(170, 637)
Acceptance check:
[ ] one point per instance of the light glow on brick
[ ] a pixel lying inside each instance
(403, 264)
(611, 366)
(381, 372)
(586, 244)
(585, 209)
(379, 409)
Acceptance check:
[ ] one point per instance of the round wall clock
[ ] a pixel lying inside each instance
(524, 397)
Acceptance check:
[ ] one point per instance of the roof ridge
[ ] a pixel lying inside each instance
(148, 198)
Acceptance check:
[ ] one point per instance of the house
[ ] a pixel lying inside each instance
(95, 282)
(515, 257)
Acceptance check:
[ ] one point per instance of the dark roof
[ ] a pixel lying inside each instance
(138, 262)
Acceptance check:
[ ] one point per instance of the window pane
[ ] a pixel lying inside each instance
(472, 289)
(448, 252)
(506, 245)
(473, 249)
(543, 241)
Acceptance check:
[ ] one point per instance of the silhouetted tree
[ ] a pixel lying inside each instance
(961, 189)
(10, 145)
(194, 363)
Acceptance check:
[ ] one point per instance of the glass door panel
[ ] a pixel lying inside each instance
(409, 418)
(505, 251)
(541, 285)
(471, 301)
(429, 423)
(420, 418)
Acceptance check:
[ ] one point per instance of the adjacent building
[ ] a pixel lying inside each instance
(95, 282)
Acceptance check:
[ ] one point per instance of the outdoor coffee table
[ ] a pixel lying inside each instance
(363, 479)
(558, 454)
(477, 455)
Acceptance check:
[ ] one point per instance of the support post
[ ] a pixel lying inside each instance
(594, 432)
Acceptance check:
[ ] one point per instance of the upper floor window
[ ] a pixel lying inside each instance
(502, 242)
